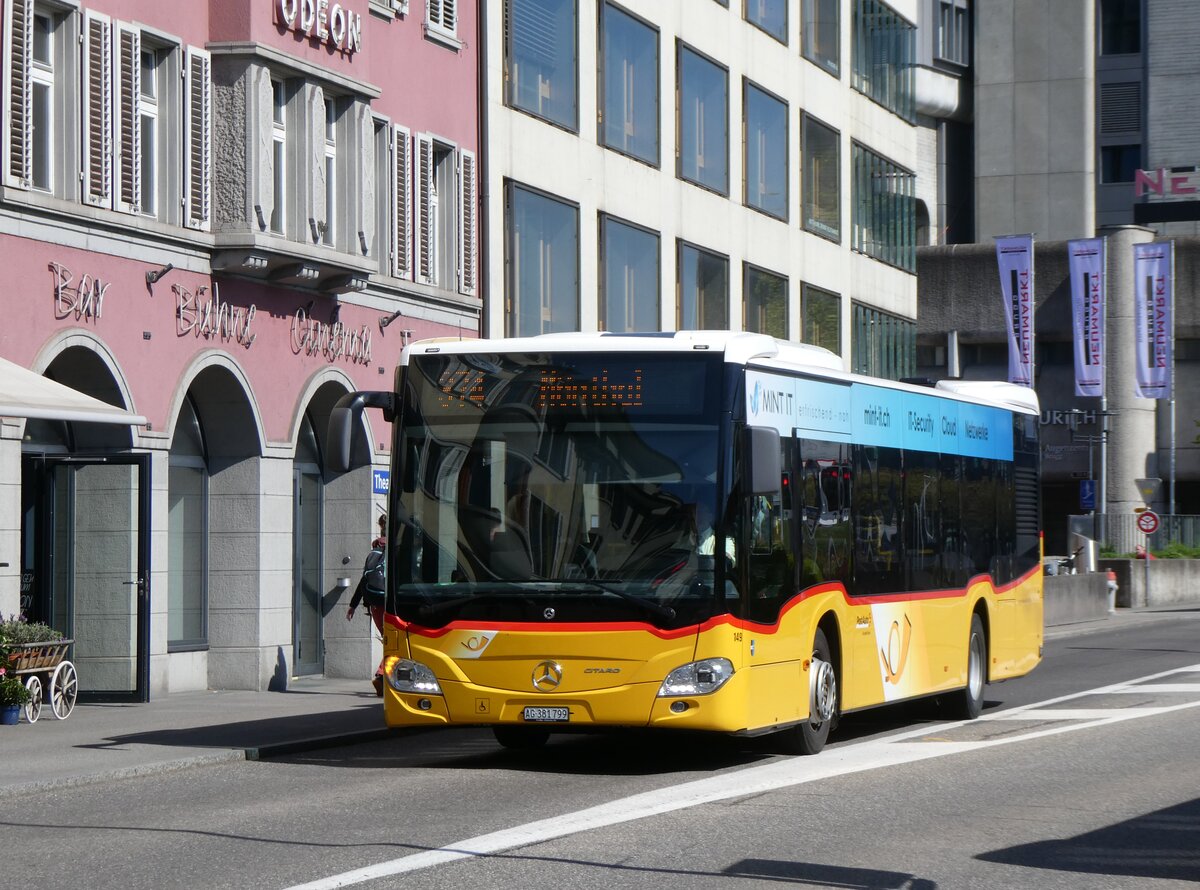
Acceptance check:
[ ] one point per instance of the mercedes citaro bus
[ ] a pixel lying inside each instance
(696, 530)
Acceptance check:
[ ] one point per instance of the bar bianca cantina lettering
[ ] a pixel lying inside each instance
(333, 341)
(212, 317)
(84, 300)
(329, 23)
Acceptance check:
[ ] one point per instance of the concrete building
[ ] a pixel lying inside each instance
(1066, 102)
(671, 164)
(219, 217)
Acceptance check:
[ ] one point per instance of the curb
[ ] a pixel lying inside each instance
(231, 755)
(316, 743)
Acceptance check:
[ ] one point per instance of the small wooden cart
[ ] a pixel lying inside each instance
(49, 677)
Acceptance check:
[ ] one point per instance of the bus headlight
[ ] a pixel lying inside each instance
(412, 676)
(697, 678)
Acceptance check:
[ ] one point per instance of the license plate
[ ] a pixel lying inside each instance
(546, 715)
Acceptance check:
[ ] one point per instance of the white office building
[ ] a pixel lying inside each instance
(677, 164)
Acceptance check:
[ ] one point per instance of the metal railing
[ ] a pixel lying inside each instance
(1119, 531)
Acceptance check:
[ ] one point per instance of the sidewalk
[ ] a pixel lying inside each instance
(108, 741)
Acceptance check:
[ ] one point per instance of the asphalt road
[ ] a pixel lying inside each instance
(1100, 790)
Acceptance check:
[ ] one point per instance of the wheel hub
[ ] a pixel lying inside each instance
(823, 691)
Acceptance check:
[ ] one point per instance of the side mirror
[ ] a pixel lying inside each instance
(763, 465)
(345, 416)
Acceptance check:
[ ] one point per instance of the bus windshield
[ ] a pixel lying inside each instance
(571, 486)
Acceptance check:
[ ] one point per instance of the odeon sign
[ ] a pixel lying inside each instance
(329, 22)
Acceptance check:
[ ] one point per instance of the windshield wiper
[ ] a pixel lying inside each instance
(664, 612)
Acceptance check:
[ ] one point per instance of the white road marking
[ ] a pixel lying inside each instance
(907, 747)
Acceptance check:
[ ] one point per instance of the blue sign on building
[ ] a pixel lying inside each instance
(1087, 494)
(380, 481)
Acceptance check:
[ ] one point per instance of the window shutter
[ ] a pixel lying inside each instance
(129, 143)
(466, 216)
(263, 185)
(401, 203)
(424, 174)
(18, 93)
(316, 163)
(366, 154)
(198, 163)
(443, 14)
(97, 110)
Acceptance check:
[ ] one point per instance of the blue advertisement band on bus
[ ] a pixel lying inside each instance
(877, 415)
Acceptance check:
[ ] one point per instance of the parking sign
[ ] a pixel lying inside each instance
(1087, 494)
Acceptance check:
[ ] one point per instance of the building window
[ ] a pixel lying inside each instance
(445, 215)
(766, 146)
(329, 228)
(148, 117)
(142, 116)
(882, 345)
(953, 33)
(764, 302)
(1118, 162)
(821, 311)
(703, 121)
(1120, 27)
(279, 154)
(884, 56)
(822, 179)
(770, 16)
(541, 57)
(441, 18)
(41, 78)
(703, 302)
(629, 116)
(630, 286)
(543, 263)
(820, 34)
(883, 213)
(187, 534)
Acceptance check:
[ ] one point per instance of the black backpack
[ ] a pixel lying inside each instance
(374, 578)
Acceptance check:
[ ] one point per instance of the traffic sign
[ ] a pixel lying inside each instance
(1147, 522)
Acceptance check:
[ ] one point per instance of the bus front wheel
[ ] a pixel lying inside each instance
(810, 736)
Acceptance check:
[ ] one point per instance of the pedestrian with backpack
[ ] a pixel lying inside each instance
(371, 591)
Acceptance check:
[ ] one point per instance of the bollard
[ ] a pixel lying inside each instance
(1112, 592)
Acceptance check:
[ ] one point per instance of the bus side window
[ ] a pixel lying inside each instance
(772, 559)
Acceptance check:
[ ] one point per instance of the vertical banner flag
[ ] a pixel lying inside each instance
(1087, 303)
(1152, 323)
(1015, 258)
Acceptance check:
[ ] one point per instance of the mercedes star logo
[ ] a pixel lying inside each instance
(548, 614)
(547, 676)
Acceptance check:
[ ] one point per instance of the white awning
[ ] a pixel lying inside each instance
(26, 394)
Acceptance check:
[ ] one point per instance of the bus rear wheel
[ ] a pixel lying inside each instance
(969, 704)
(521, 738)
(811, 735)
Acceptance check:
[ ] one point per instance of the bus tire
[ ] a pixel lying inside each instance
(520, 738)
(969, 704)
(810, 736)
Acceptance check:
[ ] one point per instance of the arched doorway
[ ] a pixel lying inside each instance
(85, 535)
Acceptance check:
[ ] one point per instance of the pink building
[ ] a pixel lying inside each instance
(219, 216)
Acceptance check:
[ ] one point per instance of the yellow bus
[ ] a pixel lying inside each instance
(698, 531)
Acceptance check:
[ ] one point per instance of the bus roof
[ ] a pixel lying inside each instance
(738, 347)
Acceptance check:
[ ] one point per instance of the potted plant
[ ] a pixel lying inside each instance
(13, 696)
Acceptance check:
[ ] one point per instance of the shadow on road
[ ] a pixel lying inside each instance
(1164, 844)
